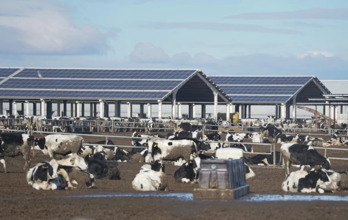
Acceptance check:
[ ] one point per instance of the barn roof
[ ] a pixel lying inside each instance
(270, 89)
(106, 84)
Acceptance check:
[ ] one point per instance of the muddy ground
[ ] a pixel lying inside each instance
(19, 201)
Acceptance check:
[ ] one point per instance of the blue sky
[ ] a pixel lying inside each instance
(249, 37)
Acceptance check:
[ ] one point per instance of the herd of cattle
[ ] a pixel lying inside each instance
(84, 163)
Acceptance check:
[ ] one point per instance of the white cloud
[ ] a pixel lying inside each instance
(313, 13)
(146, 52)
(314, 63)
(316, 54)
(44, 27)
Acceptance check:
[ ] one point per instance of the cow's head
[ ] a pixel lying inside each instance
(326, 164)
(155, 149)
(157, 166)
(40, 143)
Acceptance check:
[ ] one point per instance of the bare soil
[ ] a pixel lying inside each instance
(19, 201)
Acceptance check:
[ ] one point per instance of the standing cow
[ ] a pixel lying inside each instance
(14, 144)
(59, 144)
(302, 154)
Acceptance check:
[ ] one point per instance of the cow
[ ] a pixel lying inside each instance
(14, 144)
(270, 130)
(52, 175)
(162, 149)
(188, 172)
(316, 180)
(151, 177)
(47, 176)
(101, 168)
(59, 144)
(302, 154)
(264, 159)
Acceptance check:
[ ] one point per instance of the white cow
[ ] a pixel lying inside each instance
(59, 144)
(162, 149)
(316, 180)
(150, 178)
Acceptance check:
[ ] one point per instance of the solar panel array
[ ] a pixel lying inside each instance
(260, 89)
(5, 72)
(90, 83)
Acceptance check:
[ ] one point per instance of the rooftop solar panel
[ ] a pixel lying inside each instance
(4, 72)
(264, 80)
(109, 74)
(81, 94)
(260, 89)
(90, 84)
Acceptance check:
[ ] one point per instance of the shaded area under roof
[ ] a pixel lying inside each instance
(270, 89)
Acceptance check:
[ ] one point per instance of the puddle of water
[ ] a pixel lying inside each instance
(178, 196)
(250, 198)
(289, 198)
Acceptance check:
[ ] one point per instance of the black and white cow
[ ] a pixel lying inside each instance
(151, 177)
(188, 172)
(53, 175)
(302, 154)
(270, 130)
(59, 144)
(162, 149)
(316, 180)
(264, 159)
(14, 144)
(47, 176)
(100, 168)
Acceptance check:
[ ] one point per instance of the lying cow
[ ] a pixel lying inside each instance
(47, 176)
(59, 144)
(100, 168)
(303, 155)
(14, 144)
(264, 159)
(150, 178)
(52, 175)
(188, 172)
(316, 180)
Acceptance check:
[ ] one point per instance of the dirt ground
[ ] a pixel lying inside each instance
(19, 201)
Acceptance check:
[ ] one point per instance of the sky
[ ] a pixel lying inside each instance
(222, 37)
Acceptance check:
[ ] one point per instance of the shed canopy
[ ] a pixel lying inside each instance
(264, 90)
(107, 84)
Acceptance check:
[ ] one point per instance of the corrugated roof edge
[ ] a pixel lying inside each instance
(76, 68)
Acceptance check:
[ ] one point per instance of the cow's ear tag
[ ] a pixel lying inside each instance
(315, 171)
(155, 145)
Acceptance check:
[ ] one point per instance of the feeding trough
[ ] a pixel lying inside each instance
(221, 180)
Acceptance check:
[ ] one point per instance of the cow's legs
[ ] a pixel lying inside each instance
(4, 164)
(26, 156)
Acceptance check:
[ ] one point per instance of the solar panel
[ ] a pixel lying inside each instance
(4, 72)
(109, 74)
(264, 80)
(81, 94)
(260, 89)
(90, 84)
(273, 99)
